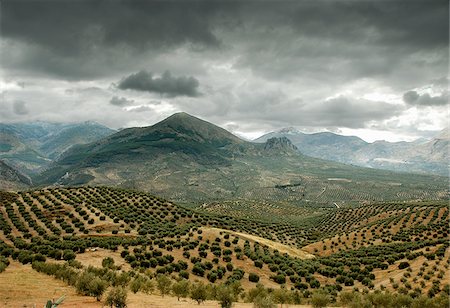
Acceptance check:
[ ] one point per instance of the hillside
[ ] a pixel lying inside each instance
(417, 157)
(401, 247)
(31, 147)
(187, 159)
(11, 179)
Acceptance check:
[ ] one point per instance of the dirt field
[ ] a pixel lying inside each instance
(21, 286)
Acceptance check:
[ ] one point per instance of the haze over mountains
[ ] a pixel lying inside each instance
(31, 147)
(421, 156)
(188, 159)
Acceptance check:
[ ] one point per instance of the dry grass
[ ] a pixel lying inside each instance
(94, 257)
(21, 286)
(293, 252)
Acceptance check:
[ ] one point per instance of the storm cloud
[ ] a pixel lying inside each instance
(416, 99)
(260, 65)
(120, 101)
(166, 84)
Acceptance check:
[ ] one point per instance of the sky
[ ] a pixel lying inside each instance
(374, 69)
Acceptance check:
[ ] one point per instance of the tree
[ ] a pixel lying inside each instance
(98, 287)
(281, 296)
(117, 297)
(199, 292)
(136, 284)
(252, 277)
(163, 283)
(320, 299)
(181, 288)
(263, 301)
(108, 262)
(89, 284)
(259, 291)
(225, 296)
(68, 255)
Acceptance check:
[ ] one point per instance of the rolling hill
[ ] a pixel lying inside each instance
(416, 157)
(190, 160)
(120, 236)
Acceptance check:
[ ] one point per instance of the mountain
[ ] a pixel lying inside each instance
(19, 151)
(187, 159)
(31, 147)
(325, 145)
(11, 179)
(420, 156)
(59, 141)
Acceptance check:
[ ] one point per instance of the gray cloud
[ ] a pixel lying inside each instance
(354, 113)
(263, 64)
(416, 99)
(76, 27)
(166, 84)
(85, 39)
(20, 107)
(120, 101)
(141, 109)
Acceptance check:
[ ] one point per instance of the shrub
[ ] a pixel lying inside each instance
(252, 277)
(403, 265)
(108, 262)
(184, 274)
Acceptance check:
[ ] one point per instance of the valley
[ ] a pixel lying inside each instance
(185, 210)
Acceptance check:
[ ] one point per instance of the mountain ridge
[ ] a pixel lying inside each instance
(188, 159)
(419, 156)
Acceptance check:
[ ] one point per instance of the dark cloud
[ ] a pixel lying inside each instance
(20, 107)
(166, 84)
(354, 113)
(254, 59)
(75, 27)
(83, 39)
(120, 101)
(415, 99)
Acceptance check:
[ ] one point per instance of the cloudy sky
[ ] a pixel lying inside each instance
(375, 69)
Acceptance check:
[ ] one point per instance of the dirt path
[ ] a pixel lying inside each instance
(292, 251)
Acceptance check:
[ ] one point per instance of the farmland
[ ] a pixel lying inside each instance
(127, 238)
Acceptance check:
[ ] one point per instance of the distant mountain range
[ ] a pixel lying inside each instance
(31, 147)
(421, 156)
(187, 159)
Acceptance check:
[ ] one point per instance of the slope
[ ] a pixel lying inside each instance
(11, 179)
(187, 159)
